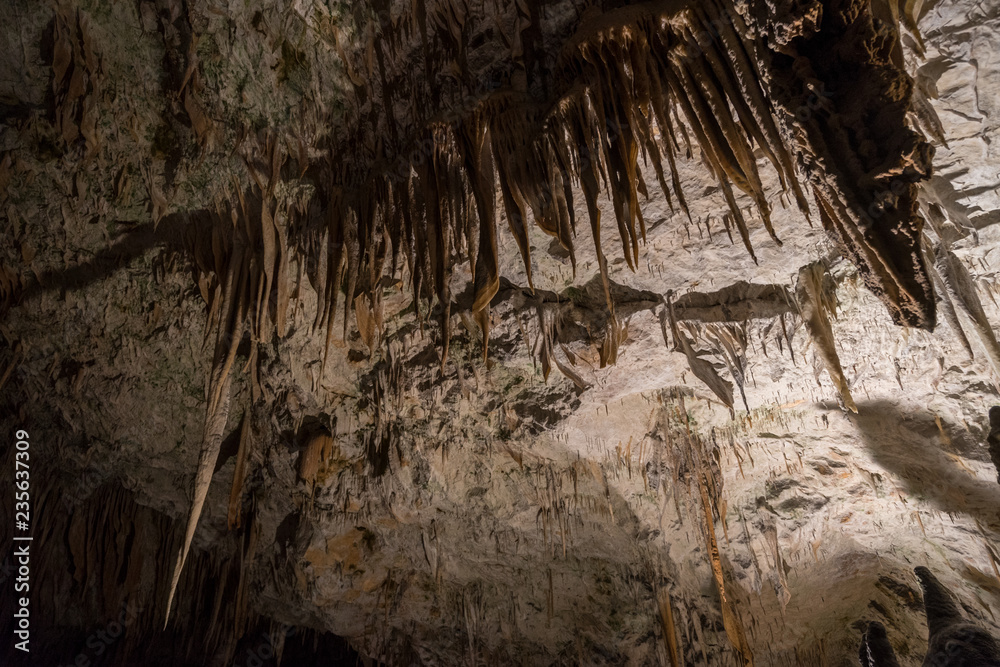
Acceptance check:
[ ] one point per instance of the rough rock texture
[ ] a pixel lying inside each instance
(678, 481)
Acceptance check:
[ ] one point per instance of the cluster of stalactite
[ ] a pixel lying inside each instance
(641, 86)
(636, 88)
(244, 255)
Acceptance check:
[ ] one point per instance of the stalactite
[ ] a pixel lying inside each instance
(780, 571)
(702, 369)
(816, 305)
(478, 161)
(960, 289)
(731, 343)
(246, 254)
(548, 325)
(863, 161)
(234, 514)
(731, 621)
(945, 302)
(669, 629)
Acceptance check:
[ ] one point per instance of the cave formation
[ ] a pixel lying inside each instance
(283, 285)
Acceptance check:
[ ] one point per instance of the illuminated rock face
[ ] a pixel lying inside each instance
(697, 434)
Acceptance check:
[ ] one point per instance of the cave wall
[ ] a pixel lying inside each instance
(682, 478)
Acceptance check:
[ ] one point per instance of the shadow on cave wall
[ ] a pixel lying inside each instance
(186, 233)
(134, 242)
(910, 445)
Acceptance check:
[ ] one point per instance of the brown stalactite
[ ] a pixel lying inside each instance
(816, 305)
(478, 159)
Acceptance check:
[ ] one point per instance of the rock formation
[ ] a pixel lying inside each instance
(283, 286)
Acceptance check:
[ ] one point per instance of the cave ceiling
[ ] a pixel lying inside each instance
(499, 332)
